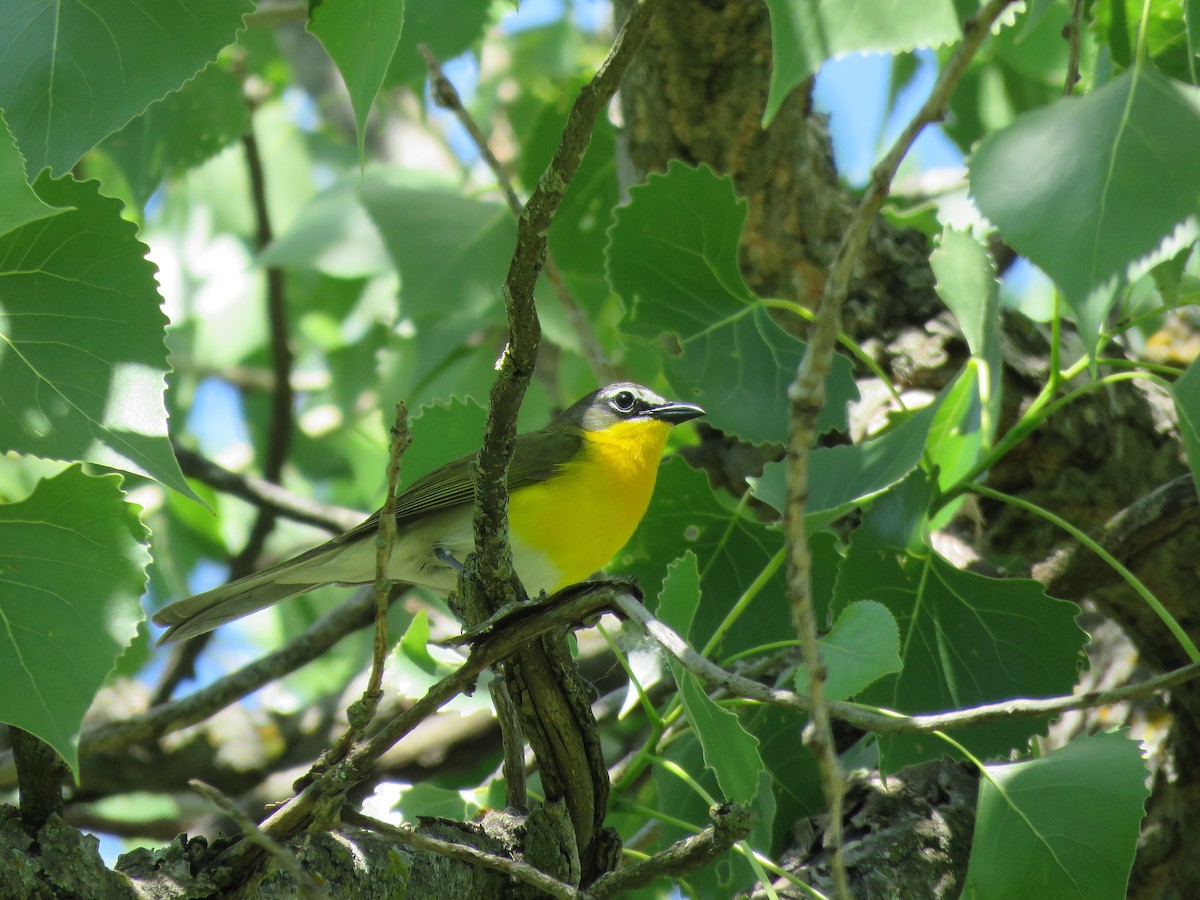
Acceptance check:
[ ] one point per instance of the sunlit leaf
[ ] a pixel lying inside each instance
(805, 33)
(73, 560)
(863, 646)
(1119, 163)
(82, 358)
(673, 258)
(361, 37)
(71, 73)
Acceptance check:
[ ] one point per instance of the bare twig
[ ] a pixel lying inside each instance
(401, 437)
(447, 96)
(287, 861)
(570, 606)
(280, 425)
(1074, 39)
(868, 719)
(521, 871)
(266, 495)
(730, 825)
(807, 396)
(362, 711)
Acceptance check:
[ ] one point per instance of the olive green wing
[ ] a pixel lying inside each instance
(538, 456)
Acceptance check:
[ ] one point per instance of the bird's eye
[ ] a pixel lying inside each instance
(623, 401)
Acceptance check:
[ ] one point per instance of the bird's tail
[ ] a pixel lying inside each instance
(204, 612)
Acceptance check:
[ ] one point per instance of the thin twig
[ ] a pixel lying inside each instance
(266, 495)
(868, 719)
(1074, 39)
(401, 438)
(448, 98)
(521, 871)
(362, 711)
(287, 860)
(807, 396)
(730, 825)
(568, 607)
(280, 425)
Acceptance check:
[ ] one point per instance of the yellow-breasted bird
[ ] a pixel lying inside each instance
(577, 489)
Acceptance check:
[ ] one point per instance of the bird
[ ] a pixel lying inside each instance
(578, 487)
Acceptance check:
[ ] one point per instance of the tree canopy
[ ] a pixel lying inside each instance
(911, 612)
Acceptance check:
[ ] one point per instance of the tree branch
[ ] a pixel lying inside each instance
(169, 717)
(730, 824)
(807, 396)
(508, 636)
(265, 495)
(868, 719)
(516, 869)
(447, 97)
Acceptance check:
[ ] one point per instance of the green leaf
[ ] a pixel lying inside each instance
(672, 255)
(732, 550)
(965, 639)
(414, 644)
(180, 131)
(442, 432)
(420, 223)
(19, 204)
(333, 234)
(1167, 34)
(430, 800)
(966, 282)
(805, 33)
(729, 750)
(840, 478)
(1065, 825)
(680, 801)
(427, 22)
(82, 358)
(1186, 392)
(680, 594)
(361, 37)
(963, 426)
(72, 73)
(970, 414)
(863, 646)
(73, 559)
(1120, 162)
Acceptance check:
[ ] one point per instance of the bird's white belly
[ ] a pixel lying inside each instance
(415, 559)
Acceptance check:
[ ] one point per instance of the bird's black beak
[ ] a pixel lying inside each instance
(676, 412)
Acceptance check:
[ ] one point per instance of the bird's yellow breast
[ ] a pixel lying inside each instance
(579, 519)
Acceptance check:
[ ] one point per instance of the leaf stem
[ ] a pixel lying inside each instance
(1132, 580)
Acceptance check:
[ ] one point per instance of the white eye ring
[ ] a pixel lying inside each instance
(623, 401)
